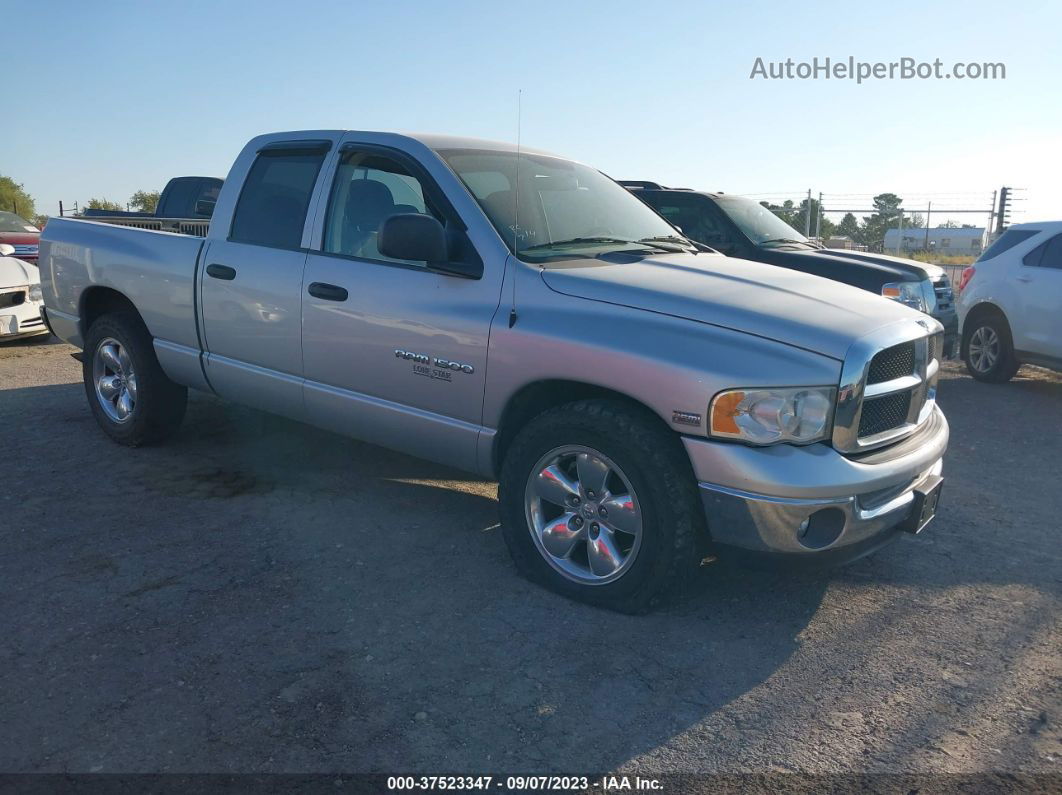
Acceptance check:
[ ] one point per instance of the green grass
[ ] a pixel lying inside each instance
(937, 259)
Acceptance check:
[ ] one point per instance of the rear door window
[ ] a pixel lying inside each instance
(272, 207)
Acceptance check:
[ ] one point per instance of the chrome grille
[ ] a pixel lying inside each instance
(945, 296)
(936, 347)
(892, 363)
(884, 413)
(888, 385)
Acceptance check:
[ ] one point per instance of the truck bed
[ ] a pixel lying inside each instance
(155, 270)
(185, 226)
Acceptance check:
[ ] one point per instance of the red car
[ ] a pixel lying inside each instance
(21, 234)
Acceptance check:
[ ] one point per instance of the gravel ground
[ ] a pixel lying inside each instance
(259, 596)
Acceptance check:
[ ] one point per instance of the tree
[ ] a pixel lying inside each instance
(785, 211)
(849, 227)
(103, 204)
(145, 201)
(886, 215)
(948, 225)
(14, 199)
(915, 221)
(798, 222)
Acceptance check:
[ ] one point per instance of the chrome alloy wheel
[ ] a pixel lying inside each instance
(114, 380)
(984, 349)
(583, 515)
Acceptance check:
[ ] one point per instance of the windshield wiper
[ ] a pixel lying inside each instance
(679, 243)
(787, 240)
(576, 241)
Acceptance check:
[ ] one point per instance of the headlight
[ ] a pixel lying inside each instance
(800, 415)
(908, 293)
(35, 293)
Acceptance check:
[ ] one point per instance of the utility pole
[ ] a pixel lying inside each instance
(899, 234)
(807, 217)
(818, 220)
(991, 216)
(929, 214)
(1003, 216)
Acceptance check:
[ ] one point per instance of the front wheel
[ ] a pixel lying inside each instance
(599, 504)
(989, 351)
(132, 399)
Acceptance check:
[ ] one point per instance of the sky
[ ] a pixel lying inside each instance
(106, 98)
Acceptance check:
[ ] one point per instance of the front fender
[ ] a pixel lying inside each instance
(666, 363)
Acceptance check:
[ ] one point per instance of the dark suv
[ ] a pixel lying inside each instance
(741, 227)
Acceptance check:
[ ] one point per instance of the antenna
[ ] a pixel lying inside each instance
(516, 209)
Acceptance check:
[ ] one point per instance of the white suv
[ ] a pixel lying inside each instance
(1010, 303)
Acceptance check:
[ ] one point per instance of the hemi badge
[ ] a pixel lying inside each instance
(685, 418)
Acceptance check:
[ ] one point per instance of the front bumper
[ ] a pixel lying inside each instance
(22, 320)
(811, 503)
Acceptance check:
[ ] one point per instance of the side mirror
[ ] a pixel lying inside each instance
(413, 236)
(6, 249)
(421, 238)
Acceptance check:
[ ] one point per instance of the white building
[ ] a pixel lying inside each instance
(938, 239)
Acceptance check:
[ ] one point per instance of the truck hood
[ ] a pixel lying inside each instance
(16, 273)
(904, 269)
(809, 312)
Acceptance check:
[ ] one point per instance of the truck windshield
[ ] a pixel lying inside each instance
(758, 223)
(9, 222)
(548, 208)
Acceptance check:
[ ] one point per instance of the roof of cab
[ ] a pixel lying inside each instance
(443, 142)
(433, 141)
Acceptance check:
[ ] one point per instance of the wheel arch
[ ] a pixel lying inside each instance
(537, 397)
(978, 312)
(97, 301)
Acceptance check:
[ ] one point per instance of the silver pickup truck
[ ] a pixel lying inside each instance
(644, 401)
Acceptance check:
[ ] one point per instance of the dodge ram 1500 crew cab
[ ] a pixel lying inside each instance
(522, 316)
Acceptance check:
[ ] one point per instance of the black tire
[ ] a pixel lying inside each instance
(160, 403)
(1006, 363)
(674, 532)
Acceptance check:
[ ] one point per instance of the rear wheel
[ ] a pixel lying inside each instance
(599, 504)
(988, 350)
(132, 399)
